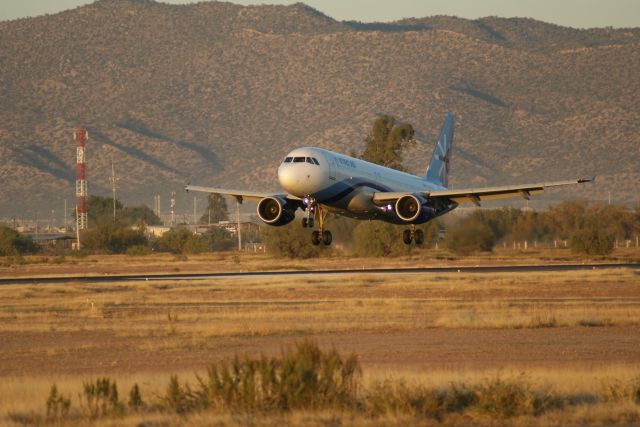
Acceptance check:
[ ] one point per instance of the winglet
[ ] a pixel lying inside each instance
(584, 180)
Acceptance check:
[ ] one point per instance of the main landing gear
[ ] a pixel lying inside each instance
(412, 234)
(321, 235)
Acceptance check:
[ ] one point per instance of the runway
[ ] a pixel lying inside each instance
(373, 271)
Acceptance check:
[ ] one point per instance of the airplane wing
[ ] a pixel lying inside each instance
(238, 194)
(477, 195)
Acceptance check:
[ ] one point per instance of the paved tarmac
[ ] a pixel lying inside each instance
(420, 270)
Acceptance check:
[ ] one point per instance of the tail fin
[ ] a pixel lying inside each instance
(438, 170)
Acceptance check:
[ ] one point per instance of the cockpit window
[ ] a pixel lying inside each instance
(298, 160)
(288, 159)
(309, 160)
(315, 161)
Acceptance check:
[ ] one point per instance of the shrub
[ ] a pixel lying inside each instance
(505, 398)
(303, 378)
(100, 398)
(135, 398)
(57, 405)
(398, 398)
(138, 250)
(178, 399)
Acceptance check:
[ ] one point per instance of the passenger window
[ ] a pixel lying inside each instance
(288, 159)
(315, 161)
(298, 160)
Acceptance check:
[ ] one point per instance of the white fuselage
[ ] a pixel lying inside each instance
(344, 184)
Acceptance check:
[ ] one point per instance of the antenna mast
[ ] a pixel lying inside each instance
(81, 135)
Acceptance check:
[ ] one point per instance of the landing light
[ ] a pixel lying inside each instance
(389, 207)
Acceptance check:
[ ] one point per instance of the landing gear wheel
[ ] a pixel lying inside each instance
(315, 238)
(310, 223)
(406, 237)
(419, 237)
(305, 222)
(327, 238)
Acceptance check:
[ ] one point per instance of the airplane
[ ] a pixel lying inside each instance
(320, 181)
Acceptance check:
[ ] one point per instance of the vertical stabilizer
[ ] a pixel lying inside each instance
(439, 167)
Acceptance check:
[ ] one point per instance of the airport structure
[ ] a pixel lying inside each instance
(81, 135)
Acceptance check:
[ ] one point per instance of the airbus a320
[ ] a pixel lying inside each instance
(319, 182)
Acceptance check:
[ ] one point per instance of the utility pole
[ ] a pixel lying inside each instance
(238, 220)
(156, 201)
(65, 214)
(195, 215)
(77, 229)
(113, 180)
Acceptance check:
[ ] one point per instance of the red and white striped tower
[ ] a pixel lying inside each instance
(81, 135)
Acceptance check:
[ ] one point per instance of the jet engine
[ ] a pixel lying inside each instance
(412, 208)
(276, 211)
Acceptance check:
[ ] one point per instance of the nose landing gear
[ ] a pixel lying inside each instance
(412, 234)
(307, 221)
(321, 235)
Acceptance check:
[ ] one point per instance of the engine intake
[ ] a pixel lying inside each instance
(275, 211)
(412, 208)
(408, 207)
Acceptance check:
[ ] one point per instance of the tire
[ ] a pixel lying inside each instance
(304, 222)
(327, 238)
(419, 237)
(310, 223)
(406, 237)
(315, 238)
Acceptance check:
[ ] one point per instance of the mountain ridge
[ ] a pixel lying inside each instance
(178, 93)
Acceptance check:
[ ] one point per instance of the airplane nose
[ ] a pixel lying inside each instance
(287, 177)
(301, 179)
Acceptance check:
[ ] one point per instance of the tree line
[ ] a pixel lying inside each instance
(588, 228)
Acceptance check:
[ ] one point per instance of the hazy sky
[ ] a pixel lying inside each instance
(574, 13)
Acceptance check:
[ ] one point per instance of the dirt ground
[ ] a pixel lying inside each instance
(89, 353)
(417, 323)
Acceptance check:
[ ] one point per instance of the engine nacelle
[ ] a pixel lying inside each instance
(412, 208)
(276, 211)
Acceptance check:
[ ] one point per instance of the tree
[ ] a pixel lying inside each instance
(107, 236)
(139, 215)
(180, 240)
(99, 208)
(219, 239)
(592, 238)
(384, 143)
(377, 238)
(290, 241)
(216, 210)
(13, 243)
(469, 235)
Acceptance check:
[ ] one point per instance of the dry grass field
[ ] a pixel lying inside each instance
(231, 261)
(576, 334)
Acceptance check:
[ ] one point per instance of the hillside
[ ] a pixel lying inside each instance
(216, 94)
